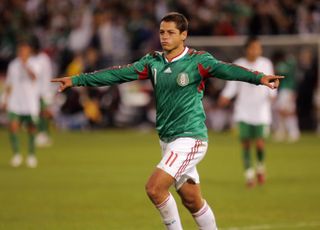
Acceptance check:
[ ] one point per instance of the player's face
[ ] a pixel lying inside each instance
(24, 52)
(170, 36)
(254, 50)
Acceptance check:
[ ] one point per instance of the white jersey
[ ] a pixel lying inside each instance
(253, 103)
(24, 96)
(45, 75)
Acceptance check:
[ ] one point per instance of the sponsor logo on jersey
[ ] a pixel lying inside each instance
(183, 79)
(168, 70)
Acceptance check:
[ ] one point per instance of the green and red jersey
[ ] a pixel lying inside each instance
(178, 87)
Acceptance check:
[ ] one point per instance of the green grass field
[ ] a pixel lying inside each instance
(95, 180)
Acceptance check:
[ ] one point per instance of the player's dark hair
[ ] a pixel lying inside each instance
(35, 42)
(23, 42)
(250, 40)
(180, 20)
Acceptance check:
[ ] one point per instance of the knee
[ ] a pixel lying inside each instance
(260, 144)
(192, 203)
(153, 191)
(13, 128)
(32, 129)
(246, 144)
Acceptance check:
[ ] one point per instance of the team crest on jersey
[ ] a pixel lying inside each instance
(183, 79)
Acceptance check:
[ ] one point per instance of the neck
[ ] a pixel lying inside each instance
(171, 54)
(252, 59)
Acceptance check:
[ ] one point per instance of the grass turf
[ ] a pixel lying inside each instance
(95, 180)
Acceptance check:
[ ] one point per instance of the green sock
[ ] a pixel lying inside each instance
(260, 155)
(246, 158)
(14, 141)
(43, 125)
(31, 143)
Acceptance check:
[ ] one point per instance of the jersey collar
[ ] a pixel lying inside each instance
(184, 52)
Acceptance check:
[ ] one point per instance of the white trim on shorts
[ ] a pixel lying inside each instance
(180, 157)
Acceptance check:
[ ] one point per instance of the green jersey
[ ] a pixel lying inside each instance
(178, 87)
(288, 69)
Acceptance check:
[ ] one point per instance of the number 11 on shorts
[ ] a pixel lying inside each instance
(172, 158)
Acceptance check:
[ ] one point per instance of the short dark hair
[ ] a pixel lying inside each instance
(250, 39)
(35, 42)
(23, 42)
(180, 20)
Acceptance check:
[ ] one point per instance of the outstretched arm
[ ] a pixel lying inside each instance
(230, 91)
(4, 98)
(110, 76)
(230, 71)
(211, 67)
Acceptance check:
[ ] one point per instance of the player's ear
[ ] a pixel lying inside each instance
(184, 35)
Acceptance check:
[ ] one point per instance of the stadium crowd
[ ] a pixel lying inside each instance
(86, 35)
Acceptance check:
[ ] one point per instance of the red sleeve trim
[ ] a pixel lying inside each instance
(118, 67)
(249, 70)
(204, 73)
(143, 74)
(196, 52)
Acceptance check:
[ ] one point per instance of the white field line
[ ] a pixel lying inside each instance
(278, 226)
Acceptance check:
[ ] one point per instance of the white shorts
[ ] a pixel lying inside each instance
(180, 157)
(286, 101)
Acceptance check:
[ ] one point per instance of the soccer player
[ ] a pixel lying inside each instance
(178, 75)
(252, 110)
(287, 122)
(43, 138)
(21, 100)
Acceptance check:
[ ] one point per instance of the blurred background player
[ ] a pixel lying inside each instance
(287, 127)
(21, 100)
(46, 93)
(252, 110)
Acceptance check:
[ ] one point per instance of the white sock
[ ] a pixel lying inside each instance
(280, 132)
(293, 127)
(169, 213)
(249, 174)
(205, 218)
(261, 168)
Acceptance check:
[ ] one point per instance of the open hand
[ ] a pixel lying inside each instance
(271, 81)
(65, 82)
